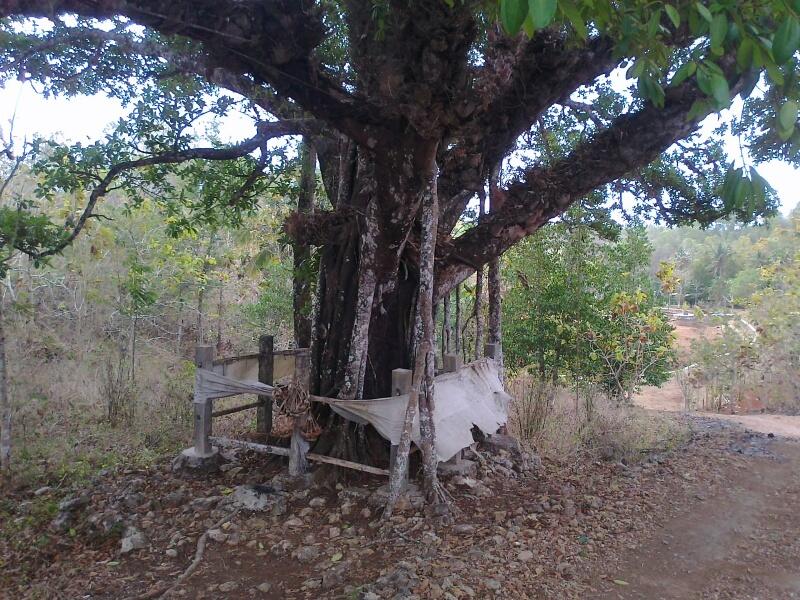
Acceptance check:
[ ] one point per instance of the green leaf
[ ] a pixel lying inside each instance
(673, 15)
(719, 29)
(704, 12)
(573, 15)
(512, 15)
(786, 40)
(685, 71)
(699, 108)
(543, 12)
(787, 119)
(744, 54)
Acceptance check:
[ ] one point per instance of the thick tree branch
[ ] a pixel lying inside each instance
(271, 40)
(630, 142)
(546, 72)
(266, 131)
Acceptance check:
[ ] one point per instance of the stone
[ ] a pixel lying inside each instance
(217, 535)
(306, 554)
(293, 522)
(132, 539)
(317, 502)
(259, 498)
(464, 528)
(228, 586)
(264, 588)
(190, 460)
(175, 498)
(461, 467)
(492, 584)
(205, 503)
(42, 490)
(171, 552)
(334, 532)
(525, 556)
(73, 504)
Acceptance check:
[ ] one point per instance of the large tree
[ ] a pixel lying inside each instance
(402, 100)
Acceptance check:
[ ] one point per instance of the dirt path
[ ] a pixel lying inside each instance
(741, 542)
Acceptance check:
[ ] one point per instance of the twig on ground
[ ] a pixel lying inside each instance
(163, 592)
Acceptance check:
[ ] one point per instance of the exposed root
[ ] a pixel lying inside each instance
(165, 591)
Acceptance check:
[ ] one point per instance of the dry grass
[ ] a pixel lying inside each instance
(564, 425)
(76, 410)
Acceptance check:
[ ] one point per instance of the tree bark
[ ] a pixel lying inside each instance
(495, 291)
(457, 326)
(446, 328)
(5, 402)
(478, 310)
(301, 252)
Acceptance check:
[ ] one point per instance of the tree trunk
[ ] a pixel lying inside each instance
(446, 330)
(422, 388)
(5, 402)
(495, 309)
(479, 290)
(457, 342)
(301, 274)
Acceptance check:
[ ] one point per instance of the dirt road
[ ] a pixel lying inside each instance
(741, 542)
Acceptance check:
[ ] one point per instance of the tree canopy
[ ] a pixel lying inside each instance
(480, 79)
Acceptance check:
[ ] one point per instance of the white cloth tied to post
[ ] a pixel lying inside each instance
(471, 396)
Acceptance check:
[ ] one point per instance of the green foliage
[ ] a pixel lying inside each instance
(562, 309)
(724, 265)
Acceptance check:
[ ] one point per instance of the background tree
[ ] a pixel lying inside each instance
(396, 95)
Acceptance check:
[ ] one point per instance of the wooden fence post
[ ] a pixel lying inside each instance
(203, 407)
(298, 447)
(401, 384)
(451, 363)
(266, 364)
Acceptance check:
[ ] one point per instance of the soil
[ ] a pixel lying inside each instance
(716, 517)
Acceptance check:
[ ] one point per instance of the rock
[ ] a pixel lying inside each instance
(312, 584)
(467, 482)
(259, 498)
(217, 535)
(293, 522)
(461, 467)
(317, 502)
(334, 577)
(264, 588)
(133, 500)
(205, 503)
(366, 513)
(68, 510)
(500, 516)
(463, 528)
(334, 532)
(492, 584)
(171, 552)
(228, 586)
(42, 490)
(73, 504)
(566, 570)
(189, 460)
(233, 472)
(525, 556)
(175, 498)
(306, 554)
(132, 539)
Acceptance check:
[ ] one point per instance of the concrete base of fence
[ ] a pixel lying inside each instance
(191, 460)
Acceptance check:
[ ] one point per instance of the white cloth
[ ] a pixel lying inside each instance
(471, 396)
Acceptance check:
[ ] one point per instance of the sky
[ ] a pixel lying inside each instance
(84, 118)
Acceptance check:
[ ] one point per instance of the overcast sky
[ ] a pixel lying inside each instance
(84, 118)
